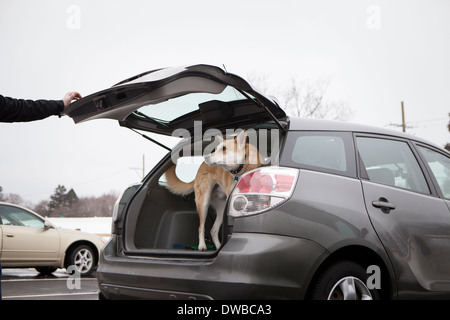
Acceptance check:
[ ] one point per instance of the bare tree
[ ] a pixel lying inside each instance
(447, 146)
(92, 206)
(308, 100)
(101, 206)
(300, 98)
(14, 199)
(2, 196)
(42, 208)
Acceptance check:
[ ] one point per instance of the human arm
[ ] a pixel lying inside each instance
(20, 110)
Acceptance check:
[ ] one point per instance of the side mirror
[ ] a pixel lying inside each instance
(47, 225)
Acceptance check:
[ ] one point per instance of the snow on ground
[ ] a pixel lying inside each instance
(97, 225)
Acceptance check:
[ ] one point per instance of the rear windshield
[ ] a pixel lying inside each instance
(167, 111)
(330, 152)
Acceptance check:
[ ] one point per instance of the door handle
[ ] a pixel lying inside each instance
(9, 235)
(384, 205)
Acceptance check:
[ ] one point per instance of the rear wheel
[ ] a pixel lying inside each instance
(344, 280)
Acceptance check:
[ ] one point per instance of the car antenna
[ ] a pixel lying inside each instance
(151, 139)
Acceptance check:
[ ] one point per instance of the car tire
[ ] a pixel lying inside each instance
(343, 280)
(45, 271)
(83, 259)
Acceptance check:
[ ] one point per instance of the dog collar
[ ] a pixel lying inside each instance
(237, 170)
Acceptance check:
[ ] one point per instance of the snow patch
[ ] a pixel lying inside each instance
(96, 225)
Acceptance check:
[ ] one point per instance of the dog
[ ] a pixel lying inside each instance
(215, 179)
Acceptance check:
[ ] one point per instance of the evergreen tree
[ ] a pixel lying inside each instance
(57, 198)
(70, 197)
(61, 200)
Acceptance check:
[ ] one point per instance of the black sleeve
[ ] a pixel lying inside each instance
(18, 110)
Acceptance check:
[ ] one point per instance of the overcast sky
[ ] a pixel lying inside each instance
(375, 54)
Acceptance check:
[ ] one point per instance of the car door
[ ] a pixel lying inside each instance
(26, 241)
(410, 218)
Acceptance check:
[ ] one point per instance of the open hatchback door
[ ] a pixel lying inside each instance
(163, 100)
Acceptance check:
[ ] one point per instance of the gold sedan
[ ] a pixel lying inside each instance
(27, 240)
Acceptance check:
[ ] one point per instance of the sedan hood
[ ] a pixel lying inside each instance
(163, 100)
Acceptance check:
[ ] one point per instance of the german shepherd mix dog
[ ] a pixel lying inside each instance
(215, 179)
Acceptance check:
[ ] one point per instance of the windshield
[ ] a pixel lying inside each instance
(171, 109)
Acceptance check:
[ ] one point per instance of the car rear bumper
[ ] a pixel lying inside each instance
(249, 266)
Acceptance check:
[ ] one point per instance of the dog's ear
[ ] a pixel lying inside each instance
(219, 138)
(241, 139)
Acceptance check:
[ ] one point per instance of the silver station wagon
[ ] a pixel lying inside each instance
(337, 211)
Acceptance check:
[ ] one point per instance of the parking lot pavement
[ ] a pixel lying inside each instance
(27, 284)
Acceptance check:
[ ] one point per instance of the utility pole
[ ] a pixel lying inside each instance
(403, 124)
(143, 167)
(403, 118)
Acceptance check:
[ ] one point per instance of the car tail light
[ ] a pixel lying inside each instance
(262, 189)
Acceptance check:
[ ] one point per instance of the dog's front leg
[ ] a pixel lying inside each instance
(202, 202)
(201, 233)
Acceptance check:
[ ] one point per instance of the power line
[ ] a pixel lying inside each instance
(431, 120)
(403, 124)
(414, 124)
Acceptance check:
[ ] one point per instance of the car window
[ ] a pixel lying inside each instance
(320, 151)
(171, 109)
(14, 216)
(329, 152)
(440, 167)
(392, 163)
(186, 169)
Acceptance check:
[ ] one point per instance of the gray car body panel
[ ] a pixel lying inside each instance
(415, 237)
(249, 265)
(319, 209)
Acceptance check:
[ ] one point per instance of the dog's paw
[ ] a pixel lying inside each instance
(202, 247)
